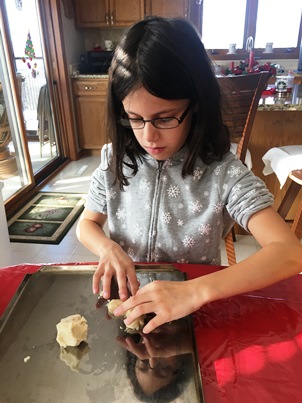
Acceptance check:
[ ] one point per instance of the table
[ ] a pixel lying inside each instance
(277, 123)
(249, 346)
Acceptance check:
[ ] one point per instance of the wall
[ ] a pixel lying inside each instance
(74, 41)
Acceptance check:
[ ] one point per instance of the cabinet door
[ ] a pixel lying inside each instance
(90, 117)
(167, 8)
(90, 103)
(92, 13)
(125, 13)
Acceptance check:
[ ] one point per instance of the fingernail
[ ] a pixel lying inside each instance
(105, 294)
(116, 312)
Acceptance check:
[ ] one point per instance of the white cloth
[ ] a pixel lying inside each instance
(281, 161)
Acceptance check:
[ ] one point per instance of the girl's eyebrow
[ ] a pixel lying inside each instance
(171, 110)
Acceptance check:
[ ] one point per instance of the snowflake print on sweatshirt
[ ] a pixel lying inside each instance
(205, 229)
(197, 174)
(173, 191)
(166, 217)
(121, 213)
(218, 208)
(235, 192)
(217, 170)
(111, 194)
(145, 185)
(196, 206)
(188, 241)
(234, 171)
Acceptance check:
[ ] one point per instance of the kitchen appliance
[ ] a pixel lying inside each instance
(97, 62)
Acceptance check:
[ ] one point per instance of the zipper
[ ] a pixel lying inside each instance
(154, 214)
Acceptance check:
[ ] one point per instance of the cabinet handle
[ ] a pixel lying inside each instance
(107, 19)
(186, 12)
(88, 88)
(111, 19)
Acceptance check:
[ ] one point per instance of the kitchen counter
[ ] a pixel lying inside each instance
(89, 76)
(288, 102)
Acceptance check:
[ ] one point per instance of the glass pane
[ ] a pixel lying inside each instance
(37, 109)
(13, 171)
(284, 30)
(223, 23)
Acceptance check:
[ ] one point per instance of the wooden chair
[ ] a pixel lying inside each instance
(240, 99)
(290, 196)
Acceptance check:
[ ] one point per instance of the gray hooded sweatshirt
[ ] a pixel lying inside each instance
(162, 217)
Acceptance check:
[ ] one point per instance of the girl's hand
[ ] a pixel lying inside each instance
(115, 263)
(169, 300)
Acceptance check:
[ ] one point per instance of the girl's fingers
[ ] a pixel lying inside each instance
(96, 281)
(122, 286)
(106, 284)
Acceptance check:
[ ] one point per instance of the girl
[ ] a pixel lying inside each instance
(168, 184)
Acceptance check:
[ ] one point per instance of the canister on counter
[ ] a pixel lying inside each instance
(281, 85)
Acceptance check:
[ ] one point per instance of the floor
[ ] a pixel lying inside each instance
(75, 177)
(39, 157)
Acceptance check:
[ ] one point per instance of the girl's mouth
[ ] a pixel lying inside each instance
(155, 150)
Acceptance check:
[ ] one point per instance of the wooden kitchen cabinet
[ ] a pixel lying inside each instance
(108, 13)
(167, 8)
(90, 101)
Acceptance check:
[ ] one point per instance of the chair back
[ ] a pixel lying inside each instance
(240, 97)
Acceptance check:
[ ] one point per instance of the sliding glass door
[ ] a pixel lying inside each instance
(34, 144)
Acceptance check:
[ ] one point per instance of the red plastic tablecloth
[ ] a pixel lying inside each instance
(249, 346)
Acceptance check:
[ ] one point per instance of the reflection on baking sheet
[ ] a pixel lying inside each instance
(111, 366)
(159, 365)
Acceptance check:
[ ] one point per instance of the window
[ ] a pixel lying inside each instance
(268, 21)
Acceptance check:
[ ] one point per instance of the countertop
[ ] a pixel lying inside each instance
(288, 102)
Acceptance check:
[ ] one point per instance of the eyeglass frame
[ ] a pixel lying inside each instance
(153, 121)
(163, 371)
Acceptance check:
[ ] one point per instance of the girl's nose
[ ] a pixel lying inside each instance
(150, 132)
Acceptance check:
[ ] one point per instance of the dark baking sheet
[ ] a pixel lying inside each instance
(28, 329)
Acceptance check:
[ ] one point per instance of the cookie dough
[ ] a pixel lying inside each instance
(134, 326)
(72, 330)
(112, 305)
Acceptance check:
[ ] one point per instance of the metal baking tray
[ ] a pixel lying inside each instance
(33, 367)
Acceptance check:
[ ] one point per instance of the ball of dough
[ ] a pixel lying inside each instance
(72, 330)
(112, 305)
(134, 326)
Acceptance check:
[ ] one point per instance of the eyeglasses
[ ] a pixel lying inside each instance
(160, 369)
(159, 123)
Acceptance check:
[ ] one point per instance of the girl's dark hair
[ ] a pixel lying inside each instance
(168, 59)
(166, 393)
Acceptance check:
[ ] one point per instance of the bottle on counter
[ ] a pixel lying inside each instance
(290, 80)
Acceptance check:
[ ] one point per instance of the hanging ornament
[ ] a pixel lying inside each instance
(30, 54)
(23, 59)
(29, 47)
(18, 4)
